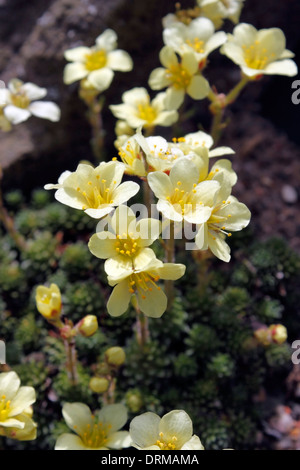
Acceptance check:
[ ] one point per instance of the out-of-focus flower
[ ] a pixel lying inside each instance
(174, 431)
(180, 195)
(98, 431)
(142, 281)
(259, 52)
(97, 63)
(96, 191)
(88, 325)
(179, 77)
(15, 401)
(199, 37)
(125, 242)
(115, 356)
(22, 100)
(48, 302)
(271, 334)
(99, 384)
(219, 10)
(138, 111)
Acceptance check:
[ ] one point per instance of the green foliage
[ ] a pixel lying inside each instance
(201, 355)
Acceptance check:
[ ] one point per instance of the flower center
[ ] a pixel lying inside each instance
(95, 60)
(146, 112)
(95, 435)
(4, 408)
(178, 76)
(216, 222)
(129, 155)
(166, 445)
(256, 57)
(126, 245)
(20, 100)
(96, 193)
(183, 200)
(196, 44)
(143, 283)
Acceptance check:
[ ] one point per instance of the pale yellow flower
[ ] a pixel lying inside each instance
(179, 77)
(139, 111)
(98, 431)
(14, 403)
(174, 431)
(160, 154)
(180, 194)
(96, 191)
(22, 100)
(142, 281)
(198, 36)
(131, 155)
(126, 239)
(219, 10)
(97, 63)
(259, 52)
(48, 301)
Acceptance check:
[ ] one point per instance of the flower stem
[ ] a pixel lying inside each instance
(219, 103)
(170, 258)
(71, 363)
(142, 328)
(8, 222)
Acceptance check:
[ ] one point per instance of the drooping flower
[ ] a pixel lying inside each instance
(219, 10)
(139, 111)
(228, 215)
(174, 431)
(126, 240)
(98, 431)
(96, 191)
(97, 63)
(22, 100)
(48, 302)
(198, 36)
(130, 154)
(180, 195)
(179, 77)
(141, 281)
(15, 401)
(259, 52)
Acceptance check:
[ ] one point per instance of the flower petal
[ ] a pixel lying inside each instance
(23, 399)
(158, 79)
(77, 416)
(103, 245)
(119, 440)
(34, 92)
(177, 423)
(45, 110)
(198, 88)
(9, 384)
(152, 303)
(77, 54)
(73, 72)
(124, 192)
(219, 247)
(107, 40)
(144, 430)
(115, 415)
(160, 184)
(101, 79)
(193, 444)
(119, 60)
(119, 299)
(69, 441)
(16, 115)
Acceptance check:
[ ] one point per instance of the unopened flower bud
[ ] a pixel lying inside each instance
(99, 384)
(88, 325)
(48, 302)
(115, 356)
(278, 333)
